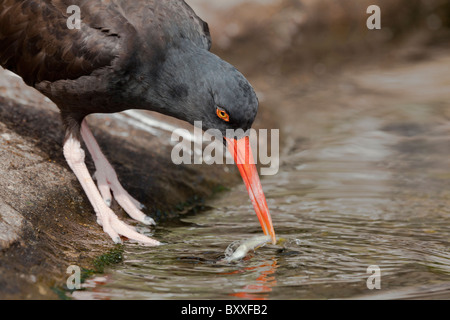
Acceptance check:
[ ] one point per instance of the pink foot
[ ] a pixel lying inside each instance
(111, 224)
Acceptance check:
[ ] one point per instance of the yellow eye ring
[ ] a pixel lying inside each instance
(222, 114)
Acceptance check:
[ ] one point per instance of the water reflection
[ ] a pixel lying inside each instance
(260, 289)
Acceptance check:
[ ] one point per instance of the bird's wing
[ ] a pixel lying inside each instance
(168, 19)
(201, 27)
(36, 43)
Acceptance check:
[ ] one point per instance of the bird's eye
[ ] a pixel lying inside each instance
(222, 114)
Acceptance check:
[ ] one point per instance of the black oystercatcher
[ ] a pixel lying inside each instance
(140, 54)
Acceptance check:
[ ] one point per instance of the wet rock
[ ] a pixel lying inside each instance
(10, 225)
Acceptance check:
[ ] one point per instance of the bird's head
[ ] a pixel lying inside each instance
(196, 85)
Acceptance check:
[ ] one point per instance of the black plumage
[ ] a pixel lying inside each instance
(144, 54)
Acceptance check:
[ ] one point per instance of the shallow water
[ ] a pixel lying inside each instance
(366, 191)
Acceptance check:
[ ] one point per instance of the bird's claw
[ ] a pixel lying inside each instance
(116, 228)
(149, 221)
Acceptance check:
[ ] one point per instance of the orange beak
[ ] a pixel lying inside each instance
(243, 157)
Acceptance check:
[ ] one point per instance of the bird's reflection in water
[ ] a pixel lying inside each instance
(263, 284)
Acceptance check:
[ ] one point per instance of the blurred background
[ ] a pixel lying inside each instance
(290, 35)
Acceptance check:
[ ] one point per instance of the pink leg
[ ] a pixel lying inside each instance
(107, 180)
(75, 156)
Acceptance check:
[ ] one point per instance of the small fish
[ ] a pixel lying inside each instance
(244, 247)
